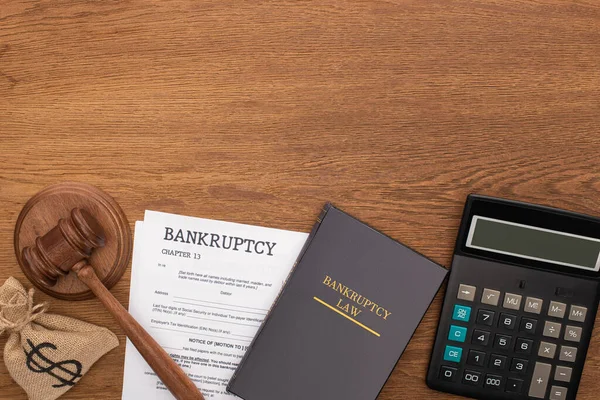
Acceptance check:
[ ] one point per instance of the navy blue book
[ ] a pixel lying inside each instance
(343, 319)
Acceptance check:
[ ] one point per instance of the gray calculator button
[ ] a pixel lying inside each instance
(573, 333)
(578, 313)
(466, 292)
(558, 393)
(567, 353)
(539, 380)
(547, 350)
(533, 305)
(512, 301)
(490, 297)
(557, 309)
(563, 374)
(552, 329)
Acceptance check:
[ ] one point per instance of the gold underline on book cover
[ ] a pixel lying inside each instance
(345, 316)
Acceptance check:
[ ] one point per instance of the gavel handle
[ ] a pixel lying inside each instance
(180, 385)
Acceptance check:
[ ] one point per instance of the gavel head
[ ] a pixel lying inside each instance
(64, 246)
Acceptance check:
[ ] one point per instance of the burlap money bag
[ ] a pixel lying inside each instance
(47, 354)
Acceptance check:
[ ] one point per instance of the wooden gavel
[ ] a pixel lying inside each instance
(68, 246)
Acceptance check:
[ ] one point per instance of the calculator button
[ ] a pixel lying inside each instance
(528, 325)
(485, 317)
(476, 358)
(539, 380)
(452, 354)
(461, 313)
(523, 346)
(448, 373)
(457, 333)
(573, 333)
(466, 292)
(563, 374)
(552, 329)
(557, 309)
(490, 297)
(578, 313)
(514, 385)
(512, 301)
(497, 361)
(547, 350)
(480, 337)
(567, 353)
(533, 305)
(493, 381)
(519, 366)
(472, 378)
(558, 393)
(507, 321)
(502, 342)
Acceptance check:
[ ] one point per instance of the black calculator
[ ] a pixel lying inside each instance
(521, 302)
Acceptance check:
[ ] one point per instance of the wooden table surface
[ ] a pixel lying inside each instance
(258, 112)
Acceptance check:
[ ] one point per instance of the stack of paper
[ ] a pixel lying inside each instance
(202, 288)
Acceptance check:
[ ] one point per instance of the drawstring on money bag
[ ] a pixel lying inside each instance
(31, 315)
(46, 354)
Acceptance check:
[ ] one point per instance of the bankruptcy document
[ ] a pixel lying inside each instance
(202, 288)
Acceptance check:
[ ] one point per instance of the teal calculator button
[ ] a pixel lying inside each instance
(461, 313)
(452, 354)
(457, 333)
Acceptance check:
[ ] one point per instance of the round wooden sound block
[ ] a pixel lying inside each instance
(42, 213)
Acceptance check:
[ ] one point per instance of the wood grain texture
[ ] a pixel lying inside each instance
(259, 112)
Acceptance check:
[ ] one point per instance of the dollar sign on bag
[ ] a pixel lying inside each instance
(43, 365)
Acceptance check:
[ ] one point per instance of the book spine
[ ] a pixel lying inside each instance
(311, 236)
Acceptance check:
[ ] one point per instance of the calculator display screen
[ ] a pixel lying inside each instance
(534, 243)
